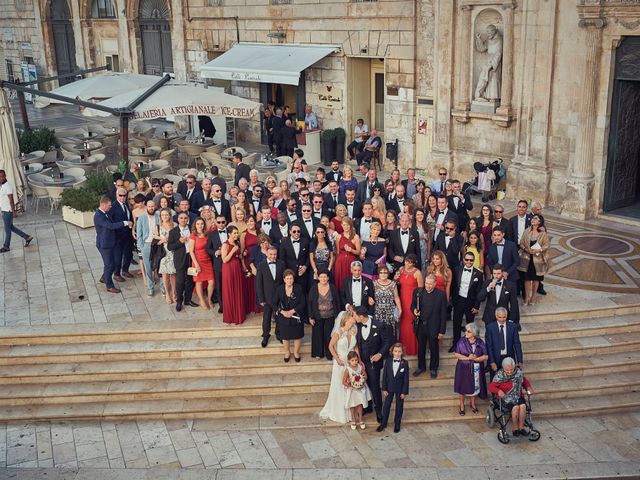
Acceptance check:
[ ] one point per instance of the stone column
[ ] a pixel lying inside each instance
(464, 48)
(507, 62)
(578, 200)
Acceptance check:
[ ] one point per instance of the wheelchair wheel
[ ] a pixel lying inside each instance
(503, 437)
(490, 418)
(534, 435)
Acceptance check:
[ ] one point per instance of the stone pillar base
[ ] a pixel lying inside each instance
(525, 181)
(485, 106)
(578, 198)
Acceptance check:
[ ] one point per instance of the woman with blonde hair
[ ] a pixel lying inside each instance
(440, 268)
(341, 214)
(286, 191)
(348, 180)
(534, 260)
(347, 250)
(379, 209)
(239, 219)
(270, 183)
(167, 269)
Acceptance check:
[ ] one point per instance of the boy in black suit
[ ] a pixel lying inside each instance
(395, 383)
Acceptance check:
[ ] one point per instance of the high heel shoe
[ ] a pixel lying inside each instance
(286, 359)
(297, 359)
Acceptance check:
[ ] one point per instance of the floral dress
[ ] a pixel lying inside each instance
(166, 263)
(385, 305)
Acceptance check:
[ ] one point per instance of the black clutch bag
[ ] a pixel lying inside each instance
(416, 324)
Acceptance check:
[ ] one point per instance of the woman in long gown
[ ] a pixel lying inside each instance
(348, 249)
(440, 268)
(469, 379)
(248, 240)
(201, 260)
(342, 342)
(373, 252)
(409, 278)
(486, 223)
(233, 293)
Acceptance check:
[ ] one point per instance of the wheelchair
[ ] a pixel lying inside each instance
(495, 415)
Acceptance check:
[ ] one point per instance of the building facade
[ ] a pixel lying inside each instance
(552, 87)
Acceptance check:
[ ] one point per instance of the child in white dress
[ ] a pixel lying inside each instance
(358, 393)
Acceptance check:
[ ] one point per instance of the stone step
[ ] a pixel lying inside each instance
(210, 367)
(228, 350)
(426, 393)
(291, 417)
(547, 325)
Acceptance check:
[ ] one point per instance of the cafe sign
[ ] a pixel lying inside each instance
(329, 97)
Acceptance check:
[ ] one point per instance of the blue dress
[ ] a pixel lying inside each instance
(345, 184)
(374, 252)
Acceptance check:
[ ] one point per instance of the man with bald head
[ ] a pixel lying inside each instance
(145, 229)
(430, 305)
(402, 242)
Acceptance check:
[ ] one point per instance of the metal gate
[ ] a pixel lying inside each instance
(623, 163)
(155, 32)
(63, 39)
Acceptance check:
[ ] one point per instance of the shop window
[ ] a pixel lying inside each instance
(10, 75)
(281, 2)
(103, 9)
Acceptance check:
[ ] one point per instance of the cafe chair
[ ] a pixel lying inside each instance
(38, 192)
(231, 150)
(80, 182)
(75, 172)
(55, 195)
(217, 148)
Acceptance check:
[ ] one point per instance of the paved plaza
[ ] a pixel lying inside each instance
(55, 281)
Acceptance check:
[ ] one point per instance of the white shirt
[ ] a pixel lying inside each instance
(498, 290)
(223, 235)
(272, 267)
(465, 283)
(292, 216)
(447, 240)
(6, 189)
(404, 240)
(366, 329)
(357, 130)
(317, 214)
(152, 228)
(356, 293)
(522, 226)
(350, 208)
(217, 205)
(500, 250)
(125, 210)
(439, 221)
(296, 247)
(456, 201)
(396, 366)
(190, 193)
(365, 228)
(266, 227)
(504, 334)
(308, 224)
(185, 232)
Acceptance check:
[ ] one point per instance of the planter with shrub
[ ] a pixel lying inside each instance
(43, 139)
(328, 146)
(79, 204)
(341, 139)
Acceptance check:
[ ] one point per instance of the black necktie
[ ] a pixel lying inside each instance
(188, 194)
(502, 344)
(405, 232)
(441, 186)
(356, 280)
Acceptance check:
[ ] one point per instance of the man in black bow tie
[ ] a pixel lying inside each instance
(468, 281)
(357, 291)
(363, 225)
(402, 242)
(268, 279)
(374, 341)
(294, 252)
(214, 248)
(499, 292)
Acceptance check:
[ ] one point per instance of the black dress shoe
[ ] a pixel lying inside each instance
(178, 306)
(418, 372)
(396, 429)
(541, 290)
(519, 327)
(191, 303)
(265, 341)
(297, 359)
(286, 359)
(101, 280)
(380, 428)
(452, 349)
(220, 311)
(378, 419)
(434, 374)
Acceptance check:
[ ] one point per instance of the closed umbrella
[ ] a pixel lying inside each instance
(9, 150)
(175, 99)
(102, 86)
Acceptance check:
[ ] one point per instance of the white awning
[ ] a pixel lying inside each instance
(266, 63)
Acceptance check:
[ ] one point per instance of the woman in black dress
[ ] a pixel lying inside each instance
(323, 305)
(291, 315)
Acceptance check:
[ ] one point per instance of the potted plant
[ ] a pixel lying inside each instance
(328, 146)
(79, 204)
(341, 138)
(44, 139)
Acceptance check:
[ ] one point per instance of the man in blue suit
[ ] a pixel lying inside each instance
(502, 340)
(120, 212)
(505, 253)
(521, 221)
(106, 241)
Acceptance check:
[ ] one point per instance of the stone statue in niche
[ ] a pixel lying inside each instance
(487, 89)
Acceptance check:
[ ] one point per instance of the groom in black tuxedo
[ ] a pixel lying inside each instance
(374, 342)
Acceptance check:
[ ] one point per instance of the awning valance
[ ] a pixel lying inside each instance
(266, 63)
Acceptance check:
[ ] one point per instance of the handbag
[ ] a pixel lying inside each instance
(192, 271)
(157, 253)
(416, 318)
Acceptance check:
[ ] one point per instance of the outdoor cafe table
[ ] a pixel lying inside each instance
(33, 168)
(58, 182)
(85, 148)
(30, 158)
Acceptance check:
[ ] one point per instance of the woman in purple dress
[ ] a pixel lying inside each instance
(469, 380)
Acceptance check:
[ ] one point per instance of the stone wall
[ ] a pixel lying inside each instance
(20, 34)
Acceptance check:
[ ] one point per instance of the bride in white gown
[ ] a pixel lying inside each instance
(343, 341)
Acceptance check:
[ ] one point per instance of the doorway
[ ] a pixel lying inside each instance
(281, 94)
(155, 33)
(622, 182)
(63, 40)
(366, 92)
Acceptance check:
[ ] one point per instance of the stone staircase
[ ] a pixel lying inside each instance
(580, 363)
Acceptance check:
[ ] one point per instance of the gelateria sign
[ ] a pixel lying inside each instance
(209, 110)
(329, 97)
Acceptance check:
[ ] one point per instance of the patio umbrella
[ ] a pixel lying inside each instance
(102, 86)
(175, 99)
(9, 150)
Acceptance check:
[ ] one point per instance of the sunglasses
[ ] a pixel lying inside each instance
(295, 231)
(441, 173)
(498, 211)
(221, 223)
(120, 195)
(317, 202)
(319, 232)
(449, 229)
(304, 194)
(468, 259)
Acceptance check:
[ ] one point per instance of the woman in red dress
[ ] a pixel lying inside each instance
(486, 223)
(341, 214)
(347, 250)
(440, 268)
(233, 293)
(409, 278)
(248, 240)
(201, 260)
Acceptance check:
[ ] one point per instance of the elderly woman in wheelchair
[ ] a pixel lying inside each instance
(509, 386)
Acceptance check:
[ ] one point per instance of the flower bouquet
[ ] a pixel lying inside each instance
(357, 381)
